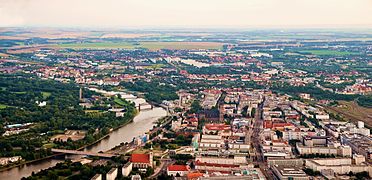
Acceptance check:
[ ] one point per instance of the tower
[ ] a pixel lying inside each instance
(81, 94)
(151, 157)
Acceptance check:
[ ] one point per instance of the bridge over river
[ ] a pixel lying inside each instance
(65, 151)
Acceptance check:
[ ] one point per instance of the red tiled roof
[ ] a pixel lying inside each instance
(270, 124)
(178, 168)
(217, 127)
(281, 124)
(194, 175)
(140, 158)
(214, 164)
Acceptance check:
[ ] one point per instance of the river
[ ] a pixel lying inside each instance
(142, 123)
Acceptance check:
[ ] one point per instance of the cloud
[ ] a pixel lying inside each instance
(184, 13)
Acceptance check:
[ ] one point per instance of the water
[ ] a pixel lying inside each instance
(141, 124)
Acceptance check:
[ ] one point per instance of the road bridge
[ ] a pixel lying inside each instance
(66, 151)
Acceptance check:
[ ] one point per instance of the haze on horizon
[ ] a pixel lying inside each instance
(186, 13)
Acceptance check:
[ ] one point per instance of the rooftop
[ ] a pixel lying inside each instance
(140, 158)
(178, 168)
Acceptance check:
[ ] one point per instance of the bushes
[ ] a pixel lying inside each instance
(365, 101)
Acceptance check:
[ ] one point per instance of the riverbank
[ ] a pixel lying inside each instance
(80, 148)
(107, 135)
(141, 122)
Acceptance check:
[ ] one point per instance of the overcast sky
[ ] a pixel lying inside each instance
(186, 13)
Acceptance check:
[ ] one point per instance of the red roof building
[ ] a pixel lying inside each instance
(181, 170)
(142, 160)
(217, 127)
(194, 176)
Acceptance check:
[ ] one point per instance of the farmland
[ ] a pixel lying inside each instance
(98, 45)
(329, 52)
(181, 45)
(148, 45)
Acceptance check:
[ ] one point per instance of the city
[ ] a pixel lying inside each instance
(193, 104)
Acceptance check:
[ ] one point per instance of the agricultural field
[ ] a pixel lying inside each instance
(155, 66)
(181, 45)
(98, 45)
(329, 52)
(148, 45)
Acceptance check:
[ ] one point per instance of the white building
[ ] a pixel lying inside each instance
(97, 177)
(127, 168)
(112, 174)
(175, 170)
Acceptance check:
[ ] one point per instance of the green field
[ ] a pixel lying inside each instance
(147, 45)
(49, 145)
(46, 94)
(181, 45)
(155, 66)
(119, 101)
(3, 106)
(98, 45)
(329, 52)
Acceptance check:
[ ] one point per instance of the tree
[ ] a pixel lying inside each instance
(279, 133)
(2, 130)
(195, 107)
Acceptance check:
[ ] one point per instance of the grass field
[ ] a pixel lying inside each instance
(155, 66)
(49, 145)
(46, 94)
(119, 101)
(97, 112)
(148, 45)
(3, 106)
(329, 52)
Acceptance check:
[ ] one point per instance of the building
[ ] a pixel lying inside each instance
(359, 144)
(127, 168)
(136, 177)
(220, 164)
(178, 170)
(7, 160)
(194, 176)
(142, 161)
(294, 172)
(112, 174)
(322, 145)
(340, 165)
(243, 174)
(97, 177)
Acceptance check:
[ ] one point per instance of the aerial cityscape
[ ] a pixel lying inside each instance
(214, 98)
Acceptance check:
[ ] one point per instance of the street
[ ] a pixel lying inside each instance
(255, 132)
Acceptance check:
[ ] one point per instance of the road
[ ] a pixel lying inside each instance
(256, 143)
(162, 168)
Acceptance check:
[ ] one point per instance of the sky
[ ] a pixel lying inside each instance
(186, 13)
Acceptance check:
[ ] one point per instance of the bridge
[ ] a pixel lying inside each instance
(65, 151)
(138, 107)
